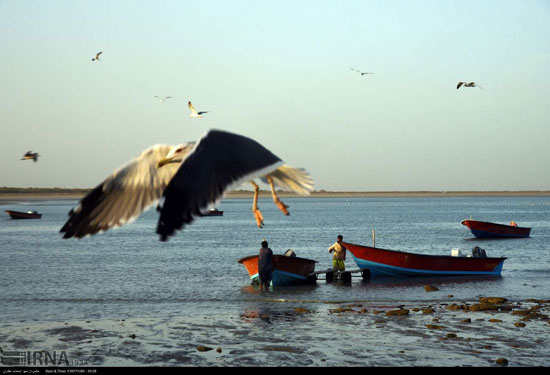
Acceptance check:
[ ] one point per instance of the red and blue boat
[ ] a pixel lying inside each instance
(484, 229)
(287, 270)
(382, 263)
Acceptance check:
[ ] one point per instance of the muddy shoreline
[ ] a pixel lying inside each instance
(279, 332)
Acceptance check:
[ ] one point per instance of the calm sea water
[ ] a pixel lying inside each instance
(128, 272)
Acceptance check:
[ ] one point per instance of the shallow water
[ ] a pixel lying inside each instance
(128, 272)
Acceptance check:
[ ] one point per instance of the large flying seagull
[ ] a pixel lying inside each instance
(184, 179)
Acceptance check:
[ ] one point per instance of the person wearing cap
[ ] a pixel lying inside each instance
(339, 254)
(265, 265)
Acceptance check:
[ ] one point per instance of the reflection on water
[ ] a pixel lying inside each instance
(398, 282)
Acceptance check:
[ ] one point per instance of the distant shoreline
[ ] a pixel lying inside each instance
(20, 194)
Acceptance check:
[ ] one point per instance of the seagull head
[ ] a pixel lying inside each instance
(176, 154)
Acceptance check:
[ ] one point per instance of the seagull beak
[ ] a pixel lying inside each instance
(163, 162)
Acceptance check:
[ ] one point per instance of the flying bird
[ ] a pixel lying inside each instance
(97, 56)
(162, 99)
(184, 180)
(30, 155)
(467, 84)
(194, 112)
(362, 73)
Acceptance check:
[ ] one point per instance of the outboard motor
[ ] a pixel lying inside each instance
(290, 253)
(478, 252)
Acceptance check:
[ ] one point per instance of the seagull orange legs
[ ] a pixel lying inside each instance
(257, 214)
(283, 207)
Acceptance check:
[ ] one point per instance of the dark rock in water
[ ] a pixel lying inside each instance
(219, 350)
(493, 300)
(467, 320)
(433, 326)
(482, 306)
(502, 362)
(520, 312)
(495, 320)
(430, 288)
(519, 324)
(452, 335)
(428, 310)
(340, 310)
(132, 336)
(202, 348)
(399, 312)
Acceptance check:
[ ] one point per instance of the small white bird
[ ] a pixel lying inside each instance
(162, 99)
(467, 84)
(362, 73)
(194, 112)
(97, 56)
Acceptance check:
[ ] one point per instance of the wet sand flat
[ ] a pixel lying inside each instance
(305, 333)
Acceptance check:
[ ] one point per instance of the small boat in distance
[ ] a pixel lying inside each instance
(383, 262)
(288, 269)
(212, 212)
(24, 215)
(483, 229)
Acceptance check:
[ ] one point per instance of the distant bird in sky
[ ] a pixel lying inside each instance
(362, 73)
(97, 56)
(467, 84)
(185, 179)
(162, 99)
(30, 155)
(194, 112)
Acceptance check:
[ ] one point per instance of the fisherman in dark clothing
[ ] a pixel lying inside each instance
(265, 265)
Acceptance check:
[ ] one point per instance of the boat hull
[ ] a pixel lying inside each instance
(483, 229)
(23, 215)
(383, 263)
(286, 270)
(211, 213)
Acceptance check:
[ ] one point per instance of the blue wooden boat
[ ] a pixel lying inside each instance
(287, 270)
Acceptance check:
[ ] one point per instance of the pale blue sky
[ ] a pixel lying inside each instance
(280, 72)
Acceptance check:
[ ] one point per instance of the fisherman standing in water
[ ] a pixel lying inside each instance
(265, 265)
(339, 255)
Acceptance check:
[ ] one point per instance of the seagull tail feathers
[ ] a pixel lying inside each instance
(293, 179)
